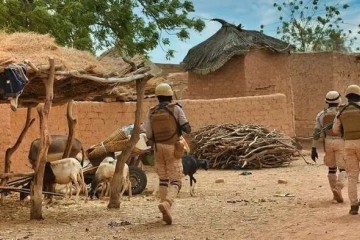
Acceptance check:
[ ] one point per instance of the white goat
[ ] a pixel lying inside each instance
(69, 170)
(104, 175)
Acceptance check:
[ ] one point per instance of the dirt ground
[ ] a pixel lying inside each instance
(253, 206)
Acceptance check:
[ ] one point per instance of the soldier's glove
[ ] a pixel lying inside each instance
(314, 154)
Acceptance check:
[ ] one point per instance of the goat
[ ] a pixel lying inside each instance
(190, 166)
(69, 170)
(104, 175)
(63, 171)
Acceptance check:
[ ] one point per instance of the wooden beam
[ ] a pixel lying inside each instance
(43, 111)
(104, 80)
(31, 65)
(71, 124)
(19, 174)
(20, 189)
(115, 187)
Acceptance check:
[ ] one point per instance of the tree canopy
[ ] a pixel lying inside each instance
(132, 26)
(315, 25)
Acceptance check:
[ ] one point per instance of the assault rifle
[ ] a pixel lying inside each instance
(327, 127)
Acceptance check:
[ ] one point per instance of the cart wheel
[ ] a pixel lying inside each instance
(138, 180)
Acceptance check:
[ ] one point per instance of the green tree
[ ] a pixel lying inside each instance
(314, 25)
(134, 26)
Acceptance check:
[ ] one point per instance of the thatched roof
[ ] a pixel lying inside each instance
(79, 75)
(228, 41)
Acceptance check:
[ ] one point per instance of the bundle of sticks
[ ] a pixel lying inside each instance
(237, 146)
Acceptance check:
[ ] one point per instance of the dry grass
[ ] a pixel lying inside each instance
(38, 48)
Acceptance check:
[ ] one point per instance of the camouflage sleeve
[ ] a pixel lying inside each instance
(180, 115)
(317, 129)
(182, 120)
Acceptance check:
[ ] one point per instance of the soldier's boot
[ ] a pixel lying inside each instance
(165, 206)
(340, 183)
(354, 210)
(332, 182)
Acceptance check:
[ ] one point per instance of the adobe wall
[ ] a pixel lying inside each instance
(5, 131)
(169, 68)
(346, 71)
(312, 78)
(228, 81)
(259, 72)
(268, 73)
(96, 121)
(313, 75)
(304, 78)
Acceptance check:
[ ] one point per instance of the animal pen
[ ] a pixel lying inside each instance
(57, 76)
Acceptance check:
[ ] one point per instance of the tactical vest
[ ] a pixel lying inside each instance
(329, 116)
(350, 120)
(164, 124)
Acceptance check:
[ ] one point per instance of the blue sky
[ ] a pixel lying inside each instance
(250, 13)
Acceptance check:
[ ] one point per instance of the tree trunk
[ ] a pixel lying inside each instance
(43, 111)
(116, 182)
(71, 124)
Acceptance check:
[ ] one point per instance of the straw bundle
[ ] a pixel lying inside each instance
(116, 142)
(38, 48)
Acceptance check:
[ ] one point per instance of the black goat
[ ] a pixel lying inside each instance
(48, 182)
(190, 166)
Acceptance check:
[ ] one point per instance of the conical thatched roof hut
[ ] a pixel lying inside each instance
(228, 41)
(239, 63)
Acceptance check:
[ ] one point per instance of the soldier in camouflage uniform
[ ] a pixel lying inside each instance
(164, 126)
(347, 122)
(333, 145)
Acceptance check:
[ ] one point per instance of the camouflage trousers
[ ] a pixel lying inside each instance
(334, 153)
(166, 165)
(352, 158)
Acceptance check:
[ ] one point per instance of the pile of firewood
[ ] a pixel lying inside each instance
(237, 146)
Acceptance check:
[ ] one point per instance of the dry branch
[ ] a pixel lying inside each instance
(13, 174)
(102, 80)
(242, 146)
(71, 124)
(10, 151)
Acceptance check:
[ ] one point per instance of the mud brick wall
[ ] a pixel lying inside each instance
(313, 75)
(228, 81)
(96, 121)
(252, 109)
(312, 78)
(346, 71)
(5, 131)
(269, 73)
(257, 73)
(169, 68)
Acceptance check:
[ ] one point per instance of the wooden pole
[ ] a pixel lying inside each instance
(43, 111)
(9, 152)
(12, 174)
(71, 124)
(116, 182)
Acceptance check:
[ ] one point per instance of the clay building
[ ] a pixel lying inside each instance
(235, 62)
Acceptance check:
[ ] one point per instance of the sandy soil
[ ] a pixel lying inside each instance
(243, 207)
